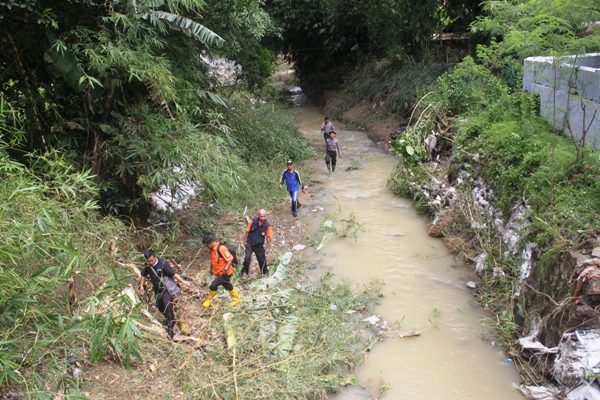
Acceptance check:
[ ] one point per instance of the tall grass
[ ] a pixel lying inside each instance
(262, 137)
(395, 85)
(55, 276)
(266, 133)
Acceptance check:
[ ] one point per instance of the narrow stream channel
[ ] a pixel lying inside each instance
(455, 360)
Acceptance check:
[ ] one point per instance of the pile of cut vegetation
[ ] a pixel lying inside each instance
(292, 337)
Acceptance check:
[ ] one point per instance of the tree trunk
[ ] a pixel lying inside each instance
(97, 151)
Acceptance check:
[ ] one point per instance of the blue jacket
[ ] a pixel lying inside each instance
(294, 183)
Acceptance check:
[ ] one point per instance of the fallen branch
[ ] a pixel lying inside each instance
(157, 329)
(177, 338)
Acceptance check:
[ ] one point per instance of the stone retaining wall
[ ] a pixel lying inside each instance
(553, 78)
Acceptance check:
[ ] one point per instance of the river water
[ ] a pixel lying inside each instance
(456, 359)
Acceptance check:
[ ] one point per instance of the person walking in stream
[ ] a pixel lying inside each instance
(294, 184)
(221, 265)
(164, 282)
(258, 230)
(332, 149)
(327, 127)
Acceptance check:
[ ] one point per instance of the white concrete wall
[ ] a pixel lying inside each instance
(550, 78)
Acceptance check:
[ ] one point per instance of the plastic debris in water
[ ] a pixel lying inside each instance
(373, 319)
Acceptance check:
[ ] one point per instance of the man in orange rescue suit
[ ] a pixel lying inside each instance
(221, 262)
(258, 230)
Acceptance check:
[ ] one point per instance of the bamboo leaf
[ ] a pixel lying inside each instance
(187, 26)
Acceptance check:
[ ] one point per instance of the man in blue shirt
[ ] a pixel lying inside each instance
(294, 183)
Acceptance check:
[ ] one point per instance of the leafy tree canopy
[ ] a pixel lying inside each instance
(124, 88)
(521, 29)
(321, 36)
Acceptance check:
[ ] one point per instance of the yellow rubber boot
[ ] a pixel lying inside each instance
(236, 298)
(211, 295)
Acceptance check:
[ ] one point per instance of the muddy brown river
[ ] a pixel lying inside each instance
(457, 358)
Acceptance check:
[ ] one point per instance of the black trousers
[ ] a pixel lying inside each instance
(164, 303)
(259, 250)
(221, 280)
(331, 156)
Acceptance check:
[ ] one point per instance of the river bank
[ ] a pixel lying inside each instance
(298, 330)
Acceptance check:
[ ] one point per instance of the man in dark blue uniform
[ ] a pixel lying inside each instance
(257, 231)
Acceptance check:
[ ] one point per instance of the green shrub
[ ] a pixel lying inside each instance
(409, 144)
(521, 158)
(400, 181)
(469, 88)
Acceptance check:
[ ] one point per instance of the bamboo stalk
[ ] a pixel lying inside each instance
(231, 343)
(162, 333)
(229, 331)
(235, 377)
(132, 267)
(322, 243)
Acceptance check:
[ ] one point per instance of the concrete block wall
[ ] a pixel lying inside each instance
(553, 78)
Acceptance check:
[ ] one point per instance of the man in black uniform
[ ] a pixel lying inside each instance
(164, 282)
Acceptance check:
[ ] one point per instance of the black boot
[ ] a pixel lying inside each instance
(333, 167)
(170, 333)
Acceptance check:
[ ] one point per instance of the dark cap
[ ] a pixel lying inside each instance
(290, 162)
